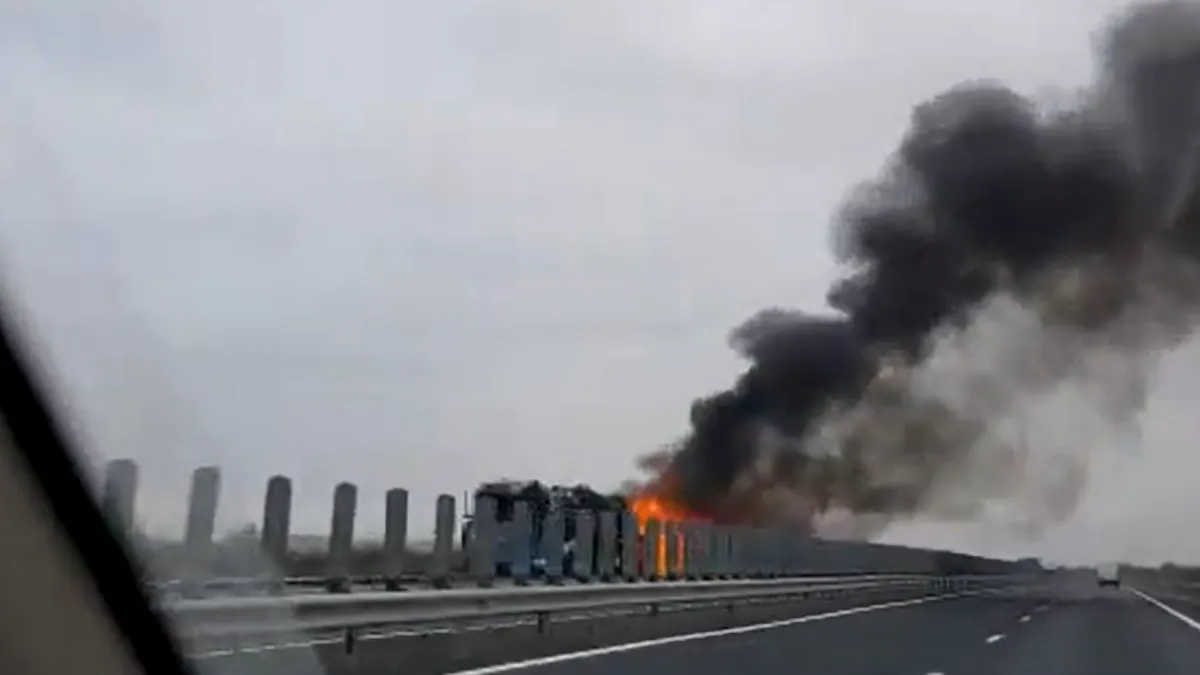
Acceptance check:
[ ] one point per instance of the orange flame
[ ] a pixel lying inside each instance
(649, 506)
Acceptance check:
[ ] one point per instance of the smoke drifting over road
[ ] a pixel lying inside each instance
(1004, 253)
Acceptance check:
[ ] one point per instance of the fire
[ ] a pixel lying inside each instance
(648, 506)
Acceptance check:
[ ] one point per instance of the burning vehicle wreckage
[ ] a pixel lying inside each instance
(1005, 254)
(545, 504)
(630, 515)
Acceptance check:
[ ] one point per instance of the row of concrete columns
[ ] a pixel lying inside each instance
(607, 545)
(119, 496)
(659, 550)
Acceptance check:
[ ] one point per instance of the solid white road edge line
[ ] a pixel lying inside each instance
(690, 637)
(1192, 623)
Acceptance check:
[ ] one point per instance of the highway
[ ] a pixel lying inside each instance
(1067, 627)
(1073, 631)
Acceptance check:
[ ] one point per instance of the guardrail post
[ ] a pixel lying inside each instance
(198, 531)
(606, 551)
(520, 533)
(395, 537)
(671, 536)
(550, 547)
(582, 558)
(443, 542)
(341, 538)
(481, 560)
(276, 529)
(629, 546)
(119, 496)
(654, 561)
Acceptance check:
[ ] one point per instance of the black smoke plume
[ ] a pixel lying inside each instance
(1085, 218)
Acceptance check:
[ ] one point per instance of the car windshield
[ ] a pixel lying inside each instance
(866, 324)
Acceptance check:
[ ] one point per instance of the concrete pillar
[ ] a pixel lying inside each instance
(341, 537)
(748, 547)
(737, 554)
(693, 559)
(654, 556)
(550, 546)
(520, 545)
(704, 546)
(201, 522)
(796, 544)
(443, 542)
(629, 546)
(395, 537)
(276, 526)
(732, 564)
(671, 536)
(762, 556)
(482, 544)
(720, 546)
(119, 496)
(781, 544)
(202, 507)
(770, 545)
(583, 561)
(606, 551)
(774, 546)
(712, 555)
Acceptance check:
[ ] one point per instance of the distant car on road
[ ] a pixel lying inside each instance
(1108, 574)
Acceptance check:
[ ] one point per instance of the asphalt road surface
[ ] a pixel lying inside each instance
(1062, 626)
(1070, 628)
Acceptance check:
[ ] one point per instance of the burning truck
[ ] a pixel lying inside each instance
(567, 502)
(653, 503)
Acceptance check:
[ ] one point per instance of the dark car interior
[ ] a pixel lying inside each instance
(72, 600)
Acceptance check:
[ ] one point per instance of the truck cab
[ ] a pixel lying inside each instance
(1108, 574)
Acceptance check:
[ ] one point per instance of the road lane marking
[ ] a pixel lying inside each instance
(1191, 623)
(690, 637)
(1023, 619)
(995, 638)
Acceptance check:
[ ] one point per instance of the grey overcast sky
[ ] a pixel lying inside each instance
(425, 244)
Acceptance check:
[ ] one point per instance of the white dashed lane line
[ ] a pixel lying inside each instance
(1024, 619)
(995, 638)
(1171, 611)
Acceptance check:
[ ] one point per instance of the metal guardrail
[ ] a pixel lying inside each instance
(242, 587)
(222, 618)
